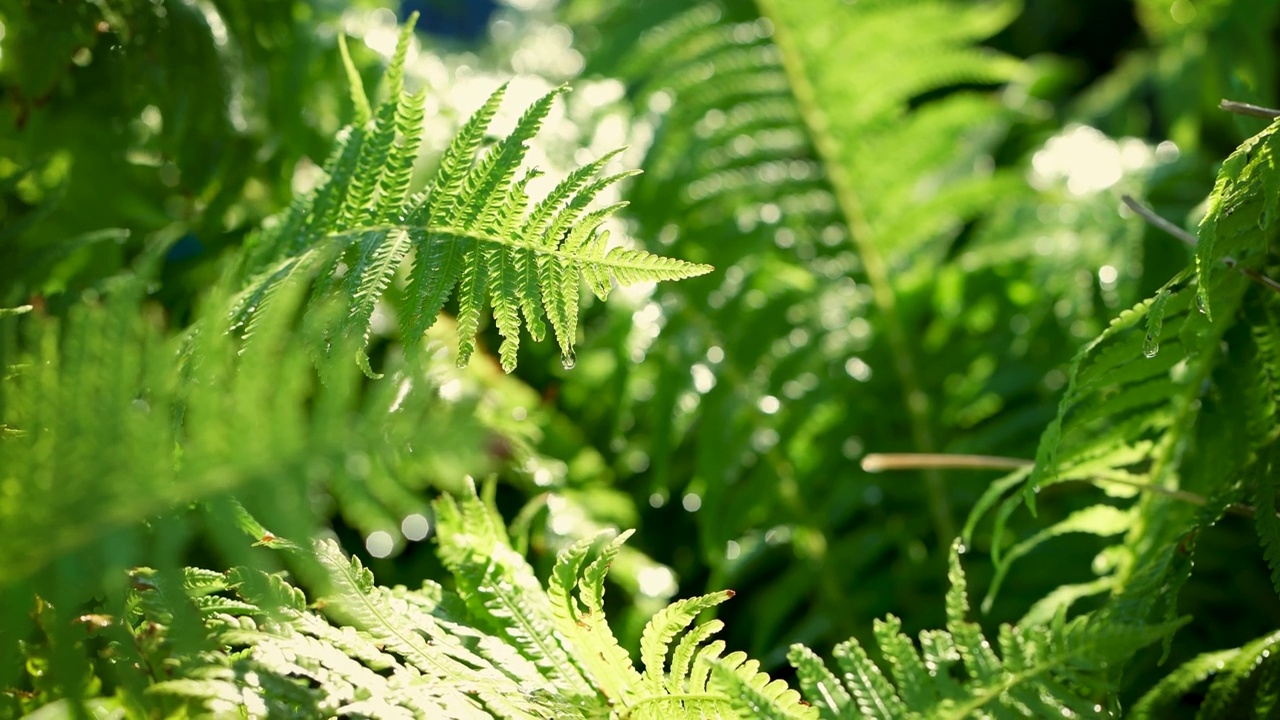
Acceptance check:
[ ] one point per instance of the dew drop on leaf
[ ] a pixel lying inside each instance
(1150, 346)
(1200, 303)
(568, 360)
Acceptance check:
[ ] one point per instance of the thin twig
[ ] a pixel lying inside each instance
(877, 462)
(1151, 217)
(1243, 108)
(1155, 220)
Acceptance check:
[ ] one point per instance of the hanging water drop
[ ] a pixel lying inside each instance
(1200, 304)
(1150, 346)
(568, 360)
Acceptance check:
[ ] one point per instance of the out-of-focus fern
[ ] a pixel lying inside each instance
(798, 346)
(134, 122)
(1244, 684)
(473, 228)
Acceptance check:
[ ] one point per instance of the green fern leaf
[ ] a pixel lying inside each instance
(683, 656)
(1040, 671)
(581, 619)
(874, 695)
(472, 230)
(754, 694)
(823, 689)
(501, 590)
(1243, 686)
(917, 688)
(359, 100)
(659, 632)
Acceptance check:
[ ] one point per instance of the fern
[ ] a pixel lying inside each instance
(1146, 399)
(392, 652)
(473, 229)
(1058, 670)
(849, 214)
(1244, 684)
(501, 591)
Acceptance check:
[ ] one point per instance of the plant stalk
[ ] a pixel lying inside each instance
(879, 462)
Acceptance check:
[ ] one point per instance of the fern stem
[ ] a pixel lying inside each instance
(1243, 108)
(916, 400)
(667, 699)
(878, 462)
(1155, 220)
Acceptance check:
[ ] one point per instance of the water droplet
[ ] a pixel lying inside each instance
(1150, 346)
(568, 360)
(1200, 303)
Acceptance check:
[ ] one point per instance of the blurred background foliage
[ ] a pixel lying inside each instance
(724, 417)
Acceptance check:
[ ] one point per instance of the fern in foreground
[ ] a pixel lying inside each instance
(1056, 670)
(473, 229)
(1244, 684)
(499, 645)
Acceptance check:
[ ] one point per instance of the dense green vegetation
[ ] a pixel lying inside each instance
(929, 367)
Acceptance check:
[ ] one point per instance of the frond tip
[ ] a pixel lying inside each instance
(474, 232)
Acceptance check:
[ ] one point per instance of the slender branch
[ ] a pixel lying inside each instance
(877, 462)
(1155, 220)
(1243, 108)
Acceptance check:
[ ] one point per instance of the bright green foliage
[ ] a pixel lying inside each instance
(483, 655)
(473, 228)
(1136, 411)
(392, 652)
(933, 266)
(910, 253)
(395, 653)
(1054, 671)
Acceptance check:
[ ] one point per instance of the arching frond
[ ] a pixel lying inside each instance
(1244, 681)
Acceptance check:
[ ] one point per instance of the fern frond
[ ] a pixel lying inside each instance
(1144, 399)
(1244, 683)
(580, 618)
(501, 590)
(1039, 671)
(870, 689)
(473, 229)
(459, 676)
(819, 684)
(755, 695)
(659, 633)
